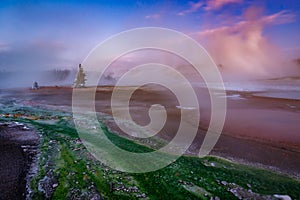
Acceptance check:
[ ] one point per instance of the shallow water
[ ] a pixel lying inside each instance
(284, 85)
(293, 95)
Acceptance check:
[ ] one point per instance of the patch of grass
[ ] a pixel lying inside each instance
(124, 143)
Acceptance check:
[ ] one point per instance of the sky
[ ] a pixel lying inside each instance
(59, 35)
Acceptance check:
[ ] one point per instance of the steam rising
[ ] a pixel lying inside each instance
(242, 50)
(21, 79)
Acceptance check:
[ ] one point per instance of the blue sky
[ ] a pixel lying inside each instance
(57, 34)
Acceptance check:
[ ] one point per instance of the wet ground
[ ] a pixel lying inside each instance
(18, 146)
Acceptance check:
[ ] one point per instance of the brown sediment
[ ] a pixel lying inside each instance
(258, 130)
(18, 147)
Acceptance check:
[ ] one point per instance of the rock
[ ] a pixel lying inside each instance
(282, 197)
(96, 197)
(224, 183)
(45, 186)
(242, 193)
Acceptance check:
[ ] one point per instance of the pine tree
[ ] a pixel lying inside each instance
(80, 78)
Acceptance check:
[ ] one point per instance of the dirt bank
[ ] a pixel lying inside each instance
(18, 146)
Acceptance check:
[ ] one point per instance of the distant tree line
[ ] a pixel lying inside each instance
(58, 74)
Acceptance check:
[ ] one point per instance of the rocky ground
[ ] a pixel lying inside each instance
(19, 151)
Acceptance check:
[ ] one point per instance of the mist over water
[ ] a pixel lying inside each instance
(25, 79)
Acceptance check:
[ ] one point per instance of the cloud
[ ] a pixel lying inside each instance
(281, 17)
(217, 4)
(153, 16)
(210, 5)
(193, 8)
(242, 48)
(4, 47)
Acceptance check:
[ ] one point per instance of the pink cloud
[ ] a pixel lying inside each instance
(4, 47)
(153, 16)
(281, 17)
(217, 4)
(242, 47)
(193, 8)
(210, 5)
